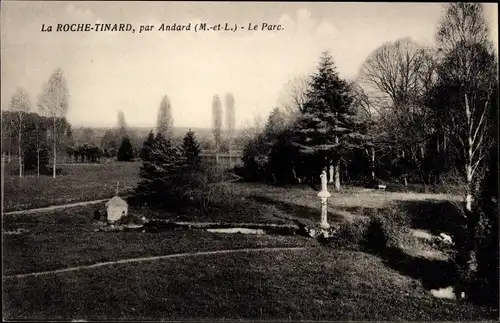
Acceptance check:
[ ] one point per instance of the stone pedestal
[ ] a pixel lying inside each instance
(324, 195)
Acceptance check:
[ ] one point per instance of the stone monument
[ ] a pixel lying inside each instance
(324, 195)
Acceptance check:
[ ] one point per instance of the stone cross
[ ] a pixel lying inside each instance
(324, 195)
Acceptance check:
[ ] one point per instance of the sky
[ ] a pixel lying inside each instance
(111, 71)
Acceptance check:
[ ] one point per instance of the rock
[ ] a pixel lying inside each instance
(445, 238)
(116, 208)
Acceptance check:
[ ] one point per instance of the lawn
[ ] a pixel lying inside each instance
(427, 211)
(67, 237)
(79, 182)
(318, 283)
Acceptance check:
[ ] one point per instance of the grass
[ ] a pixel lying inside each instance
(302, 203)
(63, 238)
(79, 182)
(322, 284)
(335, 282)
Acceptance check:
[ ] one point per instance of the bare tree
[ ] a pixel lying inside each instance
(293, 96)
(217, 125)
(396, 78)
(230, 122)
(164, 122)
(20, 104)
(371, 117)
(467, 85)
(467, 76)
(54, 104)
(462, 22)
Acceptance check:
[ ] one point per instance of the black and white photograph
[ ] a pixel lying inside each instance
(249, 161)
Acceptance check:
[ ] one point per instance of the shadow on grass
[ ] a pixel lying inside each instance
(297, 212)
(433, 274)
(433, 216)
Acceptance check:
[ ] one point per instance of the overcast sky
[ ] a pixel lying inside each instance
(107, 72)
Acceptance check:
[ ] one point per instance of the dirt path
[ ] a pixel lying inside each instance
(133, 260)
(55, 207)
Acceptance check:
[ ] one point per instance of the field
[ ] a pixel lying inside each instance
(237, 279)
(79, 182)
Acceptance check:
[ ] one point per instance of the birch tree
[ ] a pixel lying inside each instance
(465, 96)
(164, 122)
(467, 76)
(54, 103)
(217, 125)
(230, 123)
(20, 104)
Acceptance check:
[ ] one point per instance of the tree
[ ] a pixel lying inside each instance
(88, 136)
(328, 123)
(146, 146)
(468, 72)
(122, 126)
(125, 152)
(164, 122)
(396, 79)
(230, 123)
(217, 125)
(54, 103)
(465, 93)
(20, 104)
(486, 234)
(35, 148)
(191, 149)
(156, 172)
(109, 141)
(293, 96)
(7, 133)
(273, 130)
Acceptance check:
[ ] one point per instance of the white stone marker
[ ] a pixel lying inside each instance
(324, 195)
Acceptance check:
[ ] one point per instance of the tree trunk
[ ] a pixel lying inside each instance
(444, 142)
(20, 153)
(216, 153)
(10, 147)
(294, 174)
(55, 150)
(3, 176)
(372, 152)
(230, 154)
(37, 162)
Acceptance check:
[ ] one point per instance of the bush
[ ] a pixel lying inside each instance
(484, 282)
(349, 235)
(386, 231)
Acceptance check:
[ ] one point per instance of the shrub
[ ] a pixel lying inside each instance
(486, 243)
(349, 234)
(386, 231)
